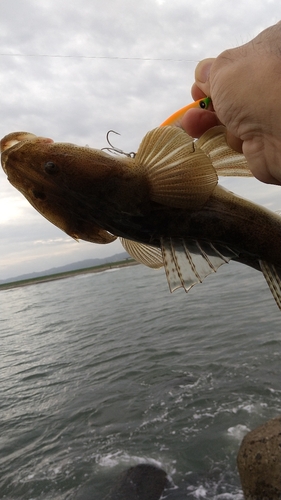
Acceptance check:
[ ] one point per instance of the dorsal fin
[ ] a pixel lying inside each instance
(225, 160)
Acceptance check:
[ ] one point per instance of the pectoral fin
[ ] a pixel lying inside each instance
(145, 254)
(225, 160)
(178, 174)
(188, 262)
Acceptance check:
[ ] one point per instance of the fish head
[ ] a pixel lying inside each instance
(58, 180)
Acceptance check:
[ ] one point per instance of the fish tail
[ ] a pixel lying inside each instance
(273, 279)
(188, 262)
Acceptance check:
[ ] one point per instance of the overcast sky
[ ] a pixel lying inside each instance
(72, 70)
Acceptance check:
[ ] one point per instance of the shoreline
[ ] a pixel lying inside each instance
(67, 274)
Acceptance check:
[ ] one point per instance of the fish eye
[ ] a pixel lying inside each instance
(51, 168)
(39, 195)
(202, 104)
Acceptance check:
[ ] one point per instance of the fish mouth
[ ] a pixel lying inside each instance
(15, 140)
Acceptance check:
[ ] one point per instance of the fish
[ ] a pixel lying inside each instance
(164, 203)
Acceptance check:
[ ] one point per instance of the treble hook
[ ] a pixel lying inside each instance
(115, 150)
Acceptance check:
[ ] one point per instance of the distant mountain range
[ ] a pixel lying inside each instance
(83, 264)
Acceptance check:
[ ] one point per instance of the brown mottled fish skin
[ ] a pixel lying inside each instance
(92, 196)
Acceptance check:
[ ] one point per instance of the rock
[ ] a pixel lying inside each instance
(142, 482)
(259, 462)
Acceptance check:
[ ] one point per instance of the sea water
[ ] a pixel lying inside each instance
(104, 371)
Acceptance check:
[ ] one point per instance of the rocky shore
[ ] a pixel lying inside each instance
(259, 462)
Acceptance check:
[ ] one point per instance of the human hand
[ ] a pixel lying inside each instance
(245, 87)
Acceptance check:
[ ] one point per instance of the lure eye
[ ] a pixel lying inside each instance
(51, 168)
(202, 104)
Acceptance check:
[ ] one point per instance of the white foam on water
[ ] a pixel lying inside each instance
(200, 492)
(158, 418)
(238, 431)
(229, 496)
(251, 408)
(121, 458)
(197, 416)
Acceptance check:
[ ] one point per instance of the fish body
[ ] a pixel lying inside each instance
(165, 203)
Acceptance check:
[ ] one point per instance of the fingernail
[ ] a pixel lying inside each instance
(202, 71)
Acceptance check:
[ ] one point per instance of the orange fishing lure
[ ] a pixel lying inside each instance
(175, 117)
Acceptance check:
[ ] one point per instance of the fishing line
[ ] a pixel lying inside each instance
(99, 57)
